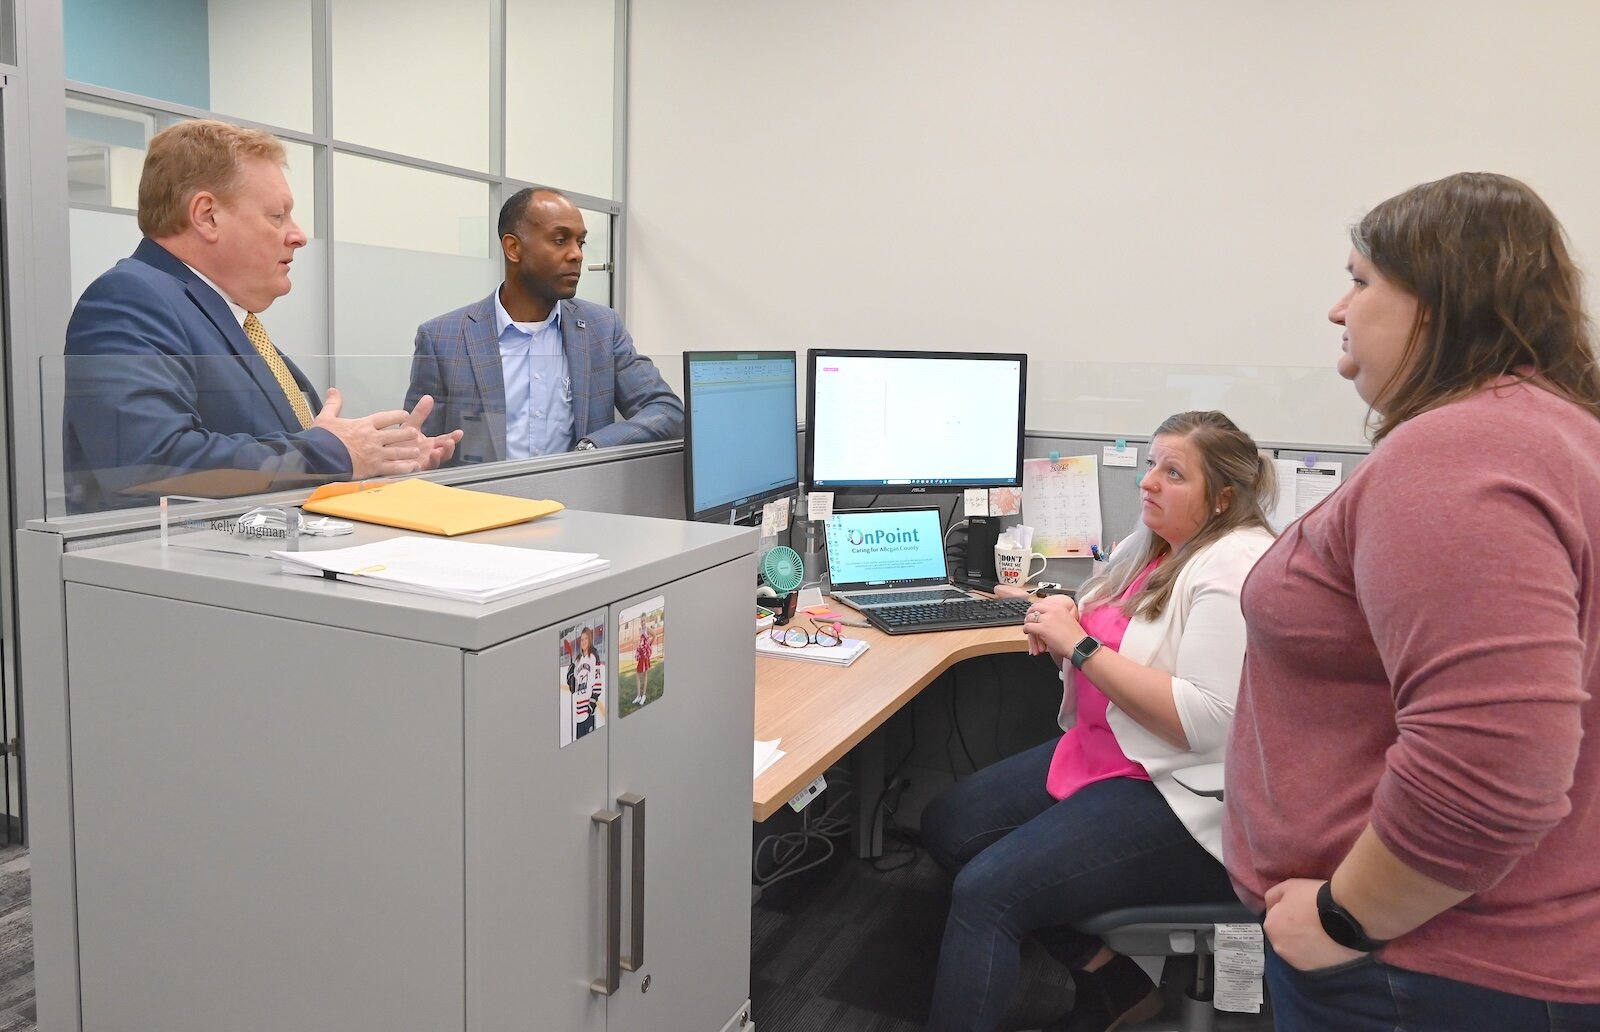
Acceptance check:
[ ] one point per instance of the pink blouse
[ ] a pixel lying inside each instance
(1089, 752)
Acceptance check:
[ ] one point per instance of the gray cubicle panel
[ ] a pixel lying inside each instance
(1119, 485)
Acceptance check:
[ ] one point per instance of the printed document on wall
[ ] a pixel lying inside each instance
(1061, 502)
(1300, 486)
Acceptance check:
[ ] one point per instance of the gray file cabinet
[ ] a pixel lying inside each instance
(293, 803)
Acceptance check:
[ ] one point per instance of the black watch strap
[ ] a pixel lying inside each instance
(1083, 650)
(1341, 925)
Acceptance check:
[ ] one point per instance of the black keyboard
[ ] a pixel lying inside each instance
(950, 616)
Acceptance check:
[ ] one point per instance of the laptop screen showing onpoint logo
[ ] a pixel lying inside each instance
(881, 546)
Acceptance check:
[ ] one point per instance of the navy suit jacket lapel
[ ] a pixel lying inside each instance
(483, 354)
(577, 342)
(217, 312)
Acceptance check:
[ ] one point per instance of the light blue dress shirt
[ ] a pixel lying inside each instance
(538, 384)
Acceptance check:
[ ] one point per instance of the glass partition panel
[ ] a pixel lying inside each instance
(240, 58)
(413, 77)
(409, 245)
(106, 146)
(121, 431)
(105, 151)
(596, 282)
(388, 205)
(564, 49)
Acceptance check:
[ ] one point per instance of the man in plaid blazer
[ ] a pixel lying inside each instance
(531, 370)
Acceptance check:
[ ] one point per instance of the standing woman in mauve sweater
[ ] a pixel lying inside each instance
(1413, 778)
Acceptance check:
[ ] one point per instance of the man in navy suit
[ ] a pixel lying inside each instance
(530, 370)
(170, 374)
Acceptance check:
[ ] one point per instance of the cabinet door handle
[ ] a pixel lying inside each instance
(635, 958)
(611, 822)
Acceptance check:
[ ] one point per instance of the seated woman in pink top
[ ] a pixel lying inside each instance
(1094, 821)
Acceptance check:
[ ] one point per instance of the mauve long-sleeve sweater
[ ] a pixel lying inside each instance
(1423, 654)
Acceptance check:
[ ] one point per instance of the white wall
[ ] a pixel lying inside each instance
(1145, 182)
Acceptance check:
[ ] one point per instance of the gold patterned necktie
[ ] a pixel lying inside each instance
(280, 370)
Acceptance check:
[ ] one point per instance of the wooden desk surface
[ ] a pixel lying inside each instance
(821, 712)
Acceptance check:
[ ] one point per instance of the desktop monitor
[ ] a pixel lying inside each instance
(739, 435)
(913, 421)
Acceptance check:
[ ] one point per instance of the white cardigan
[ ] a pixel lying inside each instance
(1199, 637)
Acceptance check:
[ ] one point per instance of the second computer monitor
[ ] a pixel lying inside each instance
(739, 447)
(913, 421)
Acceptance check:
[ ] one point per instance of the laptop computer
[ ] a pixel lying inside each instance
(888, 557)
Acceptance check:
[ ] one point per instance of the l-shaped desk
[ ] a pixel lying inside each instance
(820, 712)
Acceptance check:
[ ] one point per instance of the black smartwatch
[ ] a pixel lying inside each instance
(1341, 925)
(1083, 650)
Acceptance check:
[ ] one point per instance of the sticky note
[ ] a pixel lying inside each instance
(975, 502)
(819, 505)
(1055, 456)
(1121, 455)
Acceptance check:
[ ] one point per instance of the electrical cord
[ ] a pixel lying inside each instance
(788, 849)
(955, 721)
(999, 703)
(890, 807)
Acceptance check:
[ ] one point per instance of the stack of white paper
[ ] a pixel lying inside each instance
(766, 754)
(443, 568)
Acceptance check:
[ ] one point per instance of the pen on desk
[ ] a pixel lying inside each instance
(843, 622)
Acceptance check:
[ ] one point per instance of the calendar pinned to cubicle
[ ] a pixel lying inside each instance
(1061, 502)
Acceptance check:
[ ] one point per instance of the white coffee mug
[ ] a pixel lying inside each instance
(1013, 566)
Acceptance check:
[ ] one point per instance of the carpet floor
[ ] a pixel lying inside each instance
(851, 946)
(16, 942)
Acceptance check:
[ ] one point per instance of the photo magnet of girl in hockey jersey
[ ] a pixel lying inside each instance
(581, 674)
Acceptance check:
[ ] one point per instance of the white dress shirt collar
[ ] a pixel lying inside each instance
(502, 319)
(238, 312)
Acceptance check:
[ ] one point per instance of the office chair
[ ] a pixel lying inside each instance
(1174, 931)
(1178, 931)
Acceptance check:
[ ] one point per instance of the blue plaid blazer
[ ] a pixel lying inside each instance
(457, 360)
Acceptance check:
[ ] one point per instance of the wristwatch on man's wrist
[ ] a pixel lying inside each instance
(1083, 650)
(1341, 925)
(585, 445)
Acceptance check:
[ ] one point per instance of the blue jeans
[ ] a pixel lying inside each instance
(1026, 864)
(1366, 995)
